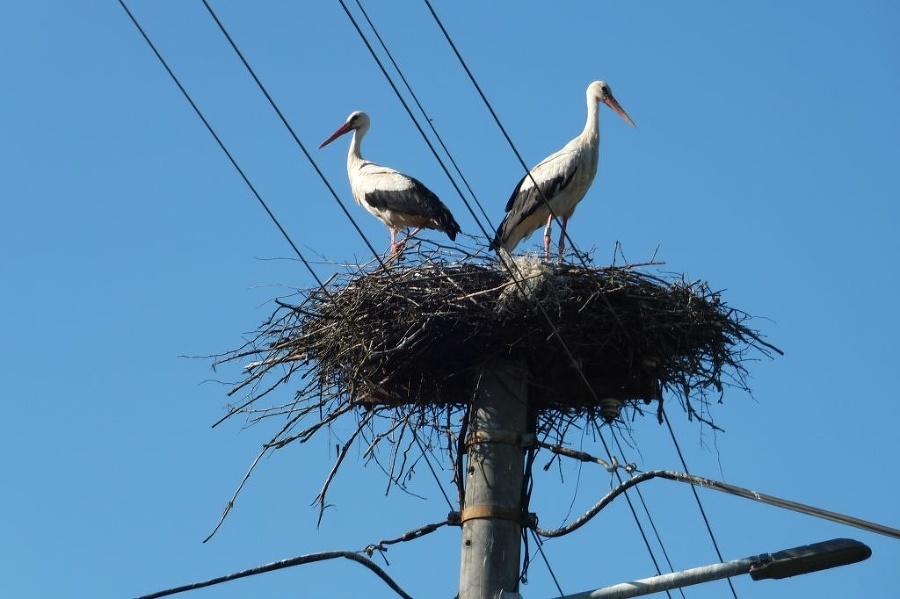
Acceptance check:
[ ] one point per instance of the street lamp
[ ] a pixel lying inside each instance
(790, 562)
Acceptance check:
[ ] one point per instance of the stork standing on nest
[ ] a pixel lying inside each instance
(397, 200)
(556, 185)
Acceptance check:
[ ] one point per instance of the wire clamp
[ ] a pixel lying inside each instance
(523, 440)
(487, 511)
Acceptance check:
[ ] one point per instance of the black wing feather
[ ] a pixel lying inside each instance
(415, 200)
(521, 205)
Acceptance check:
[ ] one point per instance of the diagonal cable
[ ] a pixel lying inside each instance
(291, 131)
(640, 495)
(509, 140)
(222, 145)
(424, 113)
(413, 118)
(697, 497)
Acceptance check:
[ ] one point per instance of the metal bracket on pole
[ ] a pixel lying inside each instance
(476, 512)
(525, 440)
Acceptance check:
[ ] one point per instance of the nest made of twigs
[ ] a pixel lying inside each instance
(421, 333)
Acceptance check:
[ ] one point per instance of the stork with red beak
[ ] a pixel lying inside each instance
(556, 185)
(397, 200)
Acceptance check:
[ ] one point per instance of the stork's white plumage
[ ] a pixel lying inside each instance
(560, 180)
(397, 200)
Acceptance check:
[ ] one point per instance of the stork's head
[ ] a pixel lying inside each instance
(357, 121)
(599, 91)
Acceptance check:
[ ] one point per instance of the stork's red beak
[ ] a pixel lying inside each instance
(612, 103)
(340, 131)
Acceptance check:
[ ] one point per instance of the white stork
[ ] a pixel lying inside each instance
(556, 185)
(397, 200)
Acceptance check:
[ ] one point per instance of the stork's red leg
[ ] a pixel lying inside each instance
(547, 231)
(562, 238)
(401, 245)
(411, 235)
(393, 241)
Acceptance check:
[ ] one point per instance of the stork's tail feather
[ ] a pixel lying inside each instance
(451, 227)
(448, 224)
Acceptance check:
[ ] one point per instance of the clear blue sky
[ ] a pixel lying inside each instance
(764, 161)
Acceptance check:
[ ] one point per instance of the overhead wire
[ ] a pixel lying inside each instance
(221, 144)
(421, 108)
(539, 542)
(412, 117)
(287, 563)
(506, 135)
(697, 498)
(634, 514)
(290, 129)
(650, 519)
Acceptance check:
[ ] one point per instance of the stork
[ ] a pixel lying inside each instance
(556, 185)
(397, 200)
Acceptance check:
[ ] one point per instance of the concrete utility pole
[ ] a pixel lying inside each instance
(491, 516)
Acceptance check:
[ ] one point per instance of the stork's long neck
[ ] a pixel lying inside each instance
(354, 155)
(591, 132)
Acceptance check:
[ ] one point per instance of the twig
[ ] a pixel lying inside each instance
(320, 498)
(231, 501)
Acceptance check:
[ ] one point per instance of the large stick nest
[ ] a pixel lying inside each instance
(421, 334)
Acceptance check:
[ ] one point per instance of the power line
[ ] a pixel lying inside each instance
(221, 144)
(637, 519)
(290, 129)
(697, 498)
(540, 545)
(640, 495)
(413, 118)
(424, 113)
(509, 140)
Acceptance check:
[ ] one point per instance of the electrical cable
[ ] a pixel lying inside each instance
(424, 113)
(640, 495)
(291, 131)
(637, 520)
(697, 498)
(540, 545)
(509, 140)
(413, 118)
(221, 144)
